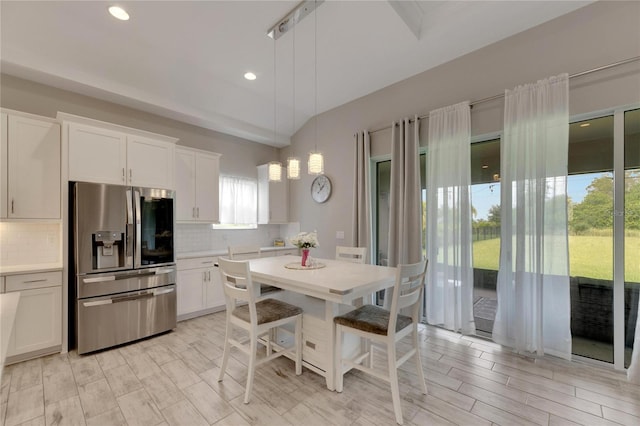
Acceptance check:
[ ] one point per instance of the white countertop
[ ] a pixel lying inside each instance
(8, 308)
(37, 267)
(223, 252)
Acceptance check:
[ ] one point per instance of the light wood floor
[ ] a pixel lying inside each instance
(172, 380)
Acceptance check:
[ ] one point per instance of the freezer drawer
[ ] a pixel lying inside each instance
(107, 321)
(95, 285)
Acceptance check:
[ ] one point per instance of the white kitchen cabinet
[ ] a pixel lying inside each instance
(30, 157)
(38, 322)
(150, 162)
(273, 198)
(97, 155)
(199, 288)
(107, 153)
(197, 185)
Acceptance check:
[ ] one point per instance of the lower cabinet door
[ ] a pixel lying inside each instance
(215, 292)
(190, 285)
(38, 323)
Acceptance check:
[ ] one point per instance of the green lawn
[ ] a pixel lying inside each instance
(590, 256)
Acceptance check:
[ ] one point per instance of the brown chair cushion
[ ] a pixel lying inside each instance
(268, 310)
(372, 319)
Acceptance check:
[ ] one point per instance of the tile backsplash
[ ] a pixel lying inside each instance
(24, 243)
(201, 237)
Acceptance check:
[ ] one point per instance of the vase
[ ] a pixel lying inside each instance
(305, 256)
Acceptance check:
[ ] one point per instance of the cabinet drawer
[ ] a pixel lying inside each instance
(31, 281)
(198, 262)
(315, 349)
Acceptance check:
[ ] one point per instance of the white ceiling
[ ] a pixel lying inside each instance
(186, 60)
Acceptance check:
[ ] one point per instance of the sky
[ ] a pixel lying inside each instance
(483, 196)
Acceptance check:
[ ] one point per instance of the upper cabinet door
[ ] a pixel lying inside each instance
(185, 185)
(3, 166)
(150, 163)
(33, 154)
(97, 155)
(207, 188)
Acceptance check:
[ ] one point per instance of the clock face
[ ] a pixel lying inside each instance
(321, 189)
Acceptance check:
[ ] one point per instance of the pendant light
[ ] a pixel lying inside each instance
(274, 168)
(315, 165)
(293, 163)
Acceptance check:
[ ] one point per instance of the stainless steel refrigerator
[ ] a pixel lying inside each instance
(124, 263)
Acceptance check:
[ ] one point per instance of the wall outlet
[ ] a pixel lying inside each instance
(339, 235)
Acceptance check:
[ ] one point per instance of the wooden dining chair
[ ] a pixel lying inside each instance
(351, 254)
(258, 318)
(246, 253)
(384, 329)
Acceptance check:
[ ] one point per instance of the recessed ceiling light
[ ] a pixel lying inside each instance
(250, 76)
(585, 125)
(119, 13)
(485, 166)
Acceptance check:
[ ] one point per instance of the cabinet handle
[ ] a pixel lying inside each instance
(208, 261)
(193, 212)
(204, 276)
(12, 206)
(208, 275)
(130, 175)
(123, 174)
(34, 281)
(198, 212)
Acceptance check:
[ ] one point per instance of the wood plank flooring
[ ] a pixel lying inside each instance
(172, 380)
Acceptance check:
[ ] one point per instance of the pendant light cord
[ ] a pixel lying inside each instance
(274, 91)
(315, 73)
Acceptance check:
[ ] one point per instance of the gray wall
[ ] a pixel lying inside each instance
(596, 35)
(239, 156)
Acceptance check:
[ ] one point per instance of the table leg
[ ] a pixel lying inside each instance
(331, 311)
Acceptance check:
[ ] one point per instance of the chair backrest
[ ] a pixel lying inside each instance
(407, 291)
(351, 254)
(237, 285)
(244, 252)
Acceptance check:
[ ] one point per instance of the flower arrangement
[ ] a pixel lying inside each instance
(305, 240)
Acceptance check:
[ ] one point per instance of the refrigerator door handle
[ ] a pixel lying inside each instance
(138, 230)
(99, 279)
(129, 242)
(165, 291)
(97, 303)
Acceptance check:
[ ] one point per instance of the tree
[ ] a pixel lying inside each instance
(596, 209)
(494, 215)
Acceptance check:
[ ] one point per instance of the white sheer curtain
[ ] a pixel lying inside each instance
(238, 200)
(533, 281)
(362, 230)
(449, 291)
(405, 217)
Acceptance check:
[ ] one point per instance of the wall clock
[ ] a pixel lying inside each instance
(321, 189)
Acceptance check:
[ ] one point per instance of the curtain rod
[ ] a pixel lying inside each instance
(494, 97)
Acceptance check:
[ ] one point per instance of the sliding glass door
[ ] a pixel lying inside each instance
(631, 228)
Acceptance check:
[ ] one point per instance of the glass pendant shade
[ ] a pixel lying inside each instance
(293, 168)
(275, 171)
(316, 163)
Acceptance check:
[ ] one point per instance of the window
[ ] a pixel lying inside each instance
(238, 203)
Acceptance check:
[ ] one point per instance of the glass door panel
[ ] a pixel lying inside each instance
(632, 228)
(485, 210)
(590, 203)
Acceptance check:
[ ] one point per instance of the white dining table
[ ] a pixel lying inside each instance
(322, 293)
